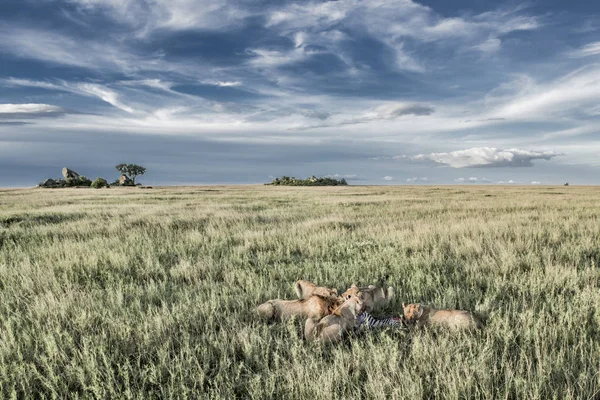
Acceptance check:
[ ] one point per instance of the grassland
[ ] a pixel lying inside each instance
(128, 293)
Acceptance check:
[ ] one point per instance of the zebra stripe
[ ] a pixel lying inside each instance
(367, 321)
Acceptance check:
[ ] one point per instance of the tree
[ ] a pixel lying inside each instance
(131, 170)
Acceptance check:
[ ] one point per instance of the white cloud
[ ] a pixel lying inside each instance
(416, 179)
(151, 83)
(267, 58)
(30, 83)
(536, 182)
(222, 83)
(338, 176)
(487, 157)
(492, 45)
(472, 179)
(388, 178)
(30, 108)
(397, 109)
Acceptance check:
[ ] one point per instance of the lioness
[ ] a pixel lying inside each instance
(315, 307)
(333, 327)
(373, 296)
(429, 316)
(305, 289)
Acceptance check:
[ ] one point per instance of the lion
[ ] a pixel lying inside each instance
(315, 307)
(333, 327)
(305, 289)
(373, 296)
(428, 316)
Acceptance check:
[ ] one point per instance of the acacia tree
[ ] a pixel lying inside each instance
(131, 170)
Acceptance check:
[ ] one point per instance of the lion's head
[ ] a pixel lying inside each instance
(412, 312)
(357, 302)
(352, 291)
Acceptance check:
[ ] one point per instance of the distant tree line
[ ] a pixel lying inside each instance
(312, 181)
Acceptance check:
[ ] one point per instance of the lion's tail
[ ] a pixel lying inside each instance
(391, 293)
(317, 330)
(309, 329)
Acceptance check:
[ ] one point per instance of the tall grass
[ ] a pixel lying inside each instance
(125, 293)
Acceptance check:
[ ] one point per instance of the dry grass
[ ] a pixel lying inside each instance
(128, 293)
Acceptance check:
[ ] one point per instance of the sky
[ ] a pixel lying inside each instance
(378, 92)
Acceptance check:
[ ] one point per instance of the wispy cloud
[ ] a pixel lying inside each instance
(222, 83)
(105, 94)
(83, 88)
(387, 111)
(573, 92)
(59, 49)
(176, 15)
(590, 49)
(30, 110)
(394, 23)
(14, 123)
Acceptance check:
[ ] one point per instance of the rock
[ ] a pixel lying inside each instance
(125, 181)
(69, 174)
(48, 183)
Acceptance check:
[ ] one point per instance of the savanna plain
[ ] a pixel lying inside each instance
(130, 293)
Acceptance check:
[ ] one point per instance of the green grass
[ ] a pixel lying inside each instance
(124, 293)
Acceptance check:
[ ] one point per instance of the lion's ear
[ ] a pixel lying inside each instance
(334, 291)
(354, 285)
(403, 306)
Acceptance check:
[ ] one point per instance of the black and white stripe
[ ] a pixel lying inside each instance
(367, 321)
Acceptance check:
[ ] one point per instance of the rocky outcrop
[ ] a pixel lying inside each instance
(71, 179)
(49, 183)
(69, 174)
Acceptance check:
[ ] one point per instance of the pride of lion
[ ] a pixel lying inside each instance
(330, 317)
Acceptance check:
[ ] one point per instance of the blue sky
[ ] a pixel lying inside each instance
(378, 92)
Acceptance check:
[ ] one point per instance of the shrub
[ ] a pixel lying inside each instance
(81, 181)
(99, 183)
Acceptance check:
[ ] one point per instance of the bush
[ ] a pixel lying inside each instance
(100, 183)
(81, 181)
